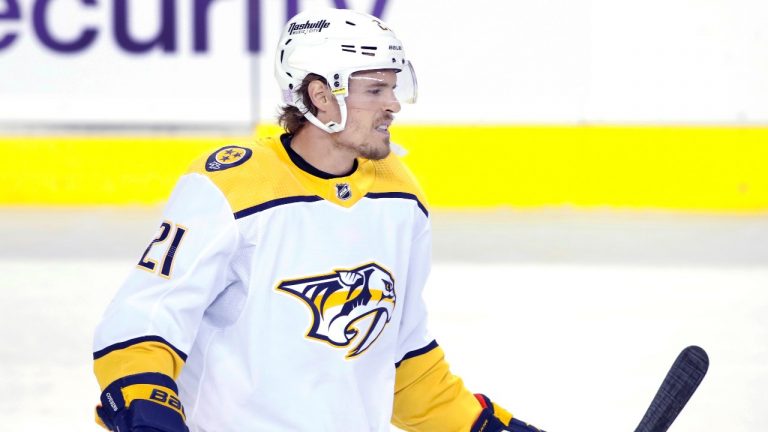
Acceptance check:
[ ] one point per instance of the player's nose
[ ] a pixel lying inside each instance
(393, 106)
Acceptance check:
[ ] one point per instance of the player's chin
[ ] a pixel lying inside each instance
(377, 151)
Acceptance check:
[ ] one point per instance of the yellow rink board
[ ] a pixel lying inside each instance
(679, 168)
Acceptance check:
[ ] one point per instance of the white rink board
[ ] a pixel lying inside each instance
(571, 348)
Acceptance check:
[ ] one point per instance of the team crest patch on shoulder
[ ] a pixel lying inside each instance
(350, 308)
(227, 157)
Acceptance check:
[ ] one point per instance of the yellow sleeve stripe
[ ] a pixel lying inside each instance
(501, 414)
(129, 342)
(154, 393)
(428, 398)
(141, 357)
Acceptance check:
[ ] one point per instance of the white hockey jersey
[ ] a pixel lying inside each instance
(284, 300)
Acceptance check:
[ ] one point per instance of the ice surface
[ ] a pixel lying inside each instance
(567, 343)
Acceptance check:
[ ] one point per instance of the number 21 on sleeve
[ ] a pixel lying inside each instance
(149, 264)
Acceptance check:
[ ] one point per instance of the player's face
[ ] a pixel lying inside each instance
(371, 105)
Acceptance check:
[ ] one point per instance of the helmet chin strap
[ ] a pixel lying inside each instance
(331, 126)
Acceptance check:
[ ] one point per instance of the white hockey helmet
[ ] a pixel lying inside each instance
(335, 43)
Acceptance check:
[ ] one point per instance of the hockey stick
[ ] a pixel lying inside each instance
(681, 381)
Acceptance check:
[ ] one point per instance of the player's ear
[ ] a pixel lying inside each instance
(323, 100)
(319, 94)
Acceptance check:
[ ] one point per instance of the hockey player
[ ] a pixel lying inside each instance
(283, 291)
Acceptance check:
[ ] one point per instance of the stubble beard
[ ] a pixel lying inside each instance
(370, 149)
(376, 147)
(375, 151)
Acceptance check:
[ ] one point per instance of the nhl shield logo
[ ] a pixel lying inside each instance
(349, 307)
(343, 191)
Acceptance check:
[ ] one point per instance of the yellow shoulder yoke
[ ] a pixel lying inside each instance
(249, 174)
(253, 173)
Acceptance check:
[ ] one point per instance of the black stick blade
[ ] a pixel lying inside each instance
(681, 381)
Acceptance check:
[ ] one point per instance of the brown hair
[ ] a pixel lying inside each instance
(291, 118)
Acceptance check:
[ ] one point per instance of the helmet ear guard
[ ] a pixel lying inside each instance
(336, 43)
(331, 126)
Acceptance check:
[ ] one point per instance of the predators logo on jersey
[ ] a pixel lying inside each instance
(227, 157)
(344, 301)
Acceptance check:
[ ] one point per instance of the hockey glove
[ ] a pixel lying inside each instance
(146, 402)
(496, 419)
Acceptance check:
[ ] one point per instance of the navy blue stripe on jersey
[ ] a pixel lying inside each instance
(274, 203)
(122, 345)
(401, 195)
(415, 353)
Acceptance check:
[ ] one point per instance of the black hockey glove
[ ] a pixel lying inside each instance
(146, 402)
(491, 421)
